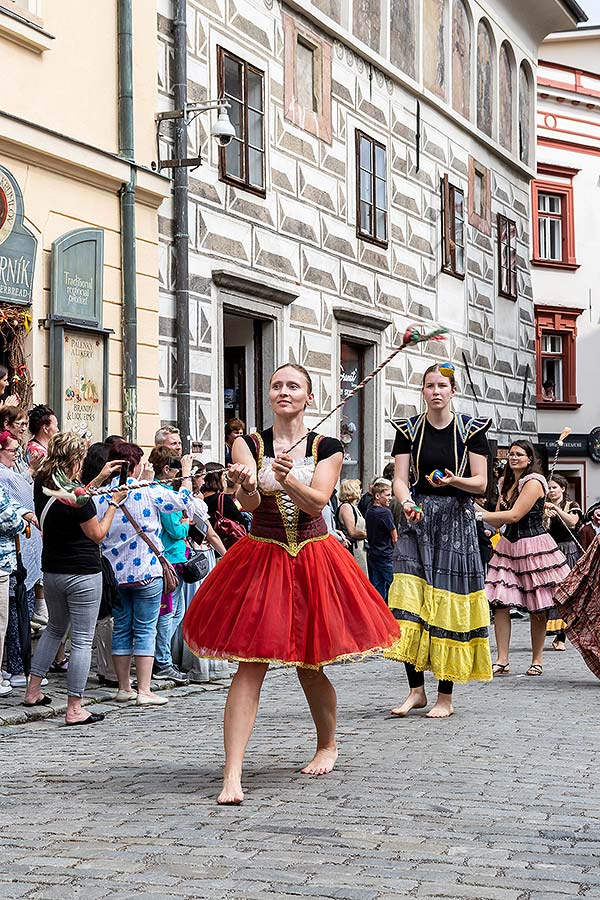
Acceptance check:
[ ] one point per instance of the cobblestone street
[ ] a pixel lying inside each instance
(500, 802)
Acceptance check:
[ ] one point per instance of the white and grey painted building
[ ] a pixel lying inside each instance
(380, 177)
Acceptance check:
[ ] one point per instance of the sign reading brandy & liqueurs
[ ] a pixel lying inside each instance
(77, 266)
(83, 383)
(17, 244)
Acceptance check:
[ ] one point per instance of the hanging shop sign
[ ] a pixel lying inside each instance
(77, 267)
(79, 368)
(573, 445)
(17, 244)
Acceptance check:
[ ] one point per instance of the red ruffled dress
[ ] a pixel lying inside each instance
(288, 592)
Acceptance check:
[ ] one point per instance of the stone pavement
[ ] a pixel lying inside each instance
(500, 802)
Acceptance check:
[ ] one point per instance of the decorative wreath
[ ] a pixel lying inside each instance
(15, 325)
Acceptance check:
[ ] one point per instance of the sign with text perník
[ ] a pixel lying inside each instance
(18, 245)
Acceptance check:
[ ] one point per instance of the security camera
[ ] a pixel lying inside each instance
(223, 131)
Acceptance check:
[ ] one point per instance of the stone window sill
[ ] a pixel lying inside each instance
(23, 32)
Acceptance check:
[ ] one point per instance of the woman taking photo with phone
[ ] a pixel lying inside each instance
(527, 565)
(288, 591)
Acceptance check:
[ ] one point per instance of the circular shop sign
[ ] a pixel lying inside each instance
(594, 444)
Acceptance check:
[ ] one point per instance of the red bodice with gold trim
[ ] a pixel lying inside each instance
(278, 520)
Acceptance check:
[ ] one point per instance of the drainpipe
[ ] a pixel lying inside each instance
(181, 231)
(127, 204)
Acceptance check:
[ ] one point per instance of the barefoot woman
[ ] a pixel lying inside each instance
(437, 592)
(287, 592)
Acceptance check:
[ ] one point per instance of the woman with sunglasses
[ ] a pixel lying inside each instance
(14, 419)
(437, 593)
(527, 565)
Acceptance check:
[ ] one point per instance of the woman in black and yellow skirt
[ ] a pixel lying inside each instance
(438, 589)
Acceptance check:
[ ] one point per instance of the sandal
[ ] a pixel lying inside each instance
(499, 669)
(61, 666)
(534, 669)
(558, 645)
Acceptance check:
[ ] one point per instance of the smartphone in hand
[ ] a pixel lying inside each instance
(124, 473)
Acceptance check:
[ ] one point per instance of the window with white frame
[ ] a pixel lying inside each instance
(550, 226)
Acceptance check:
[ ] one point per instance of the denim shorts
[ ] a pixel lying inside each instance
(134, 630)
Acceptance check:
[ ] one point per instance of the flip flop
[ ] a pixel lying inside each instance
(43, 701)
(91, 720)
(534, 669)
(499, 669)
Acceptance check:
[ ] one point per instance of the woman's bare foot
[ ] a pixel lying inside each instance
(232, 793)
(417, 699)
(322, 762)
(443, 709)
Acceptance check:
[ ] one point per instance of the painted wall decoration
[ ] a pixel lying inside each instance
(331, 8)
(403, 36)
(366, 23)
(506, 94)
(435, 36)
(525, 112)
(18, 245)
(485, 79)
(461, 59)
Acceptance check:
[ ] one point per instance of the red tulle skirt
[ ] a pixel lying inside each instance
(262, 605)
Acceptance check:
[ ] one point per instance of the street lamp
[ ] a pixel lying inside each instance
(222, 131)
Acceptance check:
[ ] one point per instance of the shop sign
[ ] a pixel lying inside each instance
(77, 268)
(83, 383)
(573, 445)
(17, 244)
(594, 444)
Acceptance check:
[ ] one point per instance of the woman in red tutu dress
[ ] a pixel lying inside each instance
(288, 592)
(527, 565)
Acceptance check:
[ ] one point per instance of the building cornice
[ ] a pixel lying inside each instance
(55, 152)
(348, 315)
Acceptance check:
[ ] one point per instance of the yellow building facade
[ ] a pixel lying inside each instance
(79, 201)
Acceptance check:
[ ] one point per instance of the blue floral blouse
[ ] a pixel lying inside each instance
(131, 558)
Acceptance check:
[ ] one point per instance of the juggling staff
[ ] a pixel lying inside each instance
(76, 494)
(561, 439)
(411, 336)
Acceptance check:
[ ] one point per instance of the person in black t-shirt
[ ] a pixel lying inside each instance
(71, 538)
(438, 589)
(381, 535)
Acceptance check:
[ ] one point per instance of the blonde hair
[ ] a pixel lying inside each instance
(350, 490)
(65, 450)
(379, 486)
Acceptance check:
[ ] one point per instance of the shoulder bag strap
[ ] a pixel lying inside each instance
(45, 512)
(220, 502)
(142, 533)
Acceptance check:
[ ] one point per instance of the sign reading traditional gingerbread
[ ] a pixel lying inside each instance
(77, 266)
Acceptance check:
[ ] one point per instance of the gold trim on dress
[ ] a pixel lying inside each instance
(292, 548)
(357, 656)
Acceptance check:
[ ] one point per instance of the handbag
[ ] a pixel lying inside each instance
(195, 568)
(228, 530)
(170, 576)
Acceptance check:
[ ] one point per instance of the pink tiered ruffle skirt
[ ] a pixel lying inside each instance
(524, 574)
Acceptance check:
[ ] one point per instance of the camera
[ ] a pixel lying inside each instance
(223, 131)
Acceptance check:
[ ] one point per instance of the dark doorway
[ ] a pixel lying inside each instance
(352, 371)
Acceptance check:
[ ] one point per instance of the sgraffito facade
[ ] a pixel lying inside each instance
(363, 193)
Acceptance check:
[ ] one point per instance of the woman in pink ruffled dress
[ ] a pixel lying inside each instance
(527, 565)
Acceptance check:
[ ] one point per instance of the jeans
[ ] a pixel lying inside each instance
(381, 575)
(73, 599)
(134, 628)
(167, 626)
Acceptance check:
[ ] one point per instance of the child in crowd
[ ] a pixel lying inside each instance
(381, 537)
